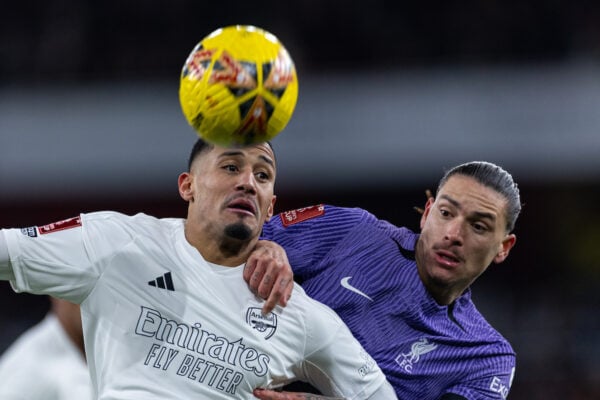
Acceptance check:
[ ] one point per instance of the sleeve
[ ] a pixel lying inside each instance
(6, 273)
(493, 386)
(60, 259)
(335, 362)
(309, 234)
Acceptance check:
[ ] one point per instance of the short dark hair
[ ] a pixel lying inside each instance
(494, 177)
(202, 145)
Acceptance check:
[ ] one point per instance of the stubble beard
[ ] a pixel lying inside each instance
(238, 231)
(236, 237)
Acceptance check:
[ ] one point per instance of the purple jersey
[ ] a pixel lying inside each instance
(364, 268)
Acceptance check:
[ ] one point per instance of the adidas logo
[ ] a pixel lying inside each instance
(163, 282)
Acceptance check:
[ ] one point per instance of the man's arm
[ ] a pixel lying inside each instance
(382, 393)
(264, 394)
(307, 235)
(6, 272)
(385, 392)
(269, 274)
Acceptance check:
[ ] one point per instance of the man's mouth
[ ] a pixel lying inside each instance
(447, 258)
(242, 204)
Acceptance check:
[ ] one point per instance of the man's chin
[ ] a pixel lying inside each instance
(238, 231)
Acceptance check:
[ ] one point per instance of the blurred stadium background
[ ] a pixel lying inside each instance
(391, 94)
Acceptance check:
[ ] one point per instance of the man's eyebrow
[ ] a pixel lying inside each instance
(237, 153)
(450, 200)
(231, 153)
(479, 214)
(267, 160)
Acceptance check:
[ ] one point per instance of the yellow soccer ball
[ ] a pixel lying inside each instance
(238, 86)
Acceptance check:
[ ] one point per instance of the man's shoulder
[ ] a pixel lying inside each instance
(320, 213)
(479, 328)
(308, 307)
(119, 216)
(139, 221)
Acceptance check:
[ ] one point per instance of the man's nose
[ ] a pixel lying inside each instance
(454, 231)
(247, 181)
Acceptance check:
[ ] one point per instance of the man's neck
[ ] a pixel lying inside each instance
(223, 251)
(443, 294)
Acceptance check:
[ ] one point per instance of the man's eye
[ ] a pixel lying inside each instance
(263, 176)
(479, 227)
(230, 167)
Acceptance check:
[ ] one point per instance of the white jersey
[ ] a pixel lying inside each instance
(160, 322)
(44, 364)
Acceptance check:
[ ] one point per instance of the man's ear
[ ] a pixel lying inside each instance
(271, 208)
(507, 243)
(427, 210)
(185, 186)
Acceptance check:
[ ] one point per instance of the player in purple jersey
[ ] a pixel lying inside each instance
(406, 296)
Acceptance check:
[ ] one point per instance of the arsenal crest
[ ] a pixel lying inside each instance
(265, 324)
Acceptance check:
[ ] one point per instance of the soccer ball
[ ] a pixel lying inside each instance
(238, 86)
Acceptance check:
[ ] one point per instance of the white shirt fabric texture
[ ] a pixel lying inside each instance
(160, 322)
(44, 364)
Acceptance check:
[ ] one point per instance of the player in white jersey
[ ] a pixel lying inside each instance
(47, 361)
(166, 313)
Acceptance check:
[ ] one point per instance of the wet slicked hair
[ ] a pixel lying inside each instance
(201, 146)
(494, 177)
